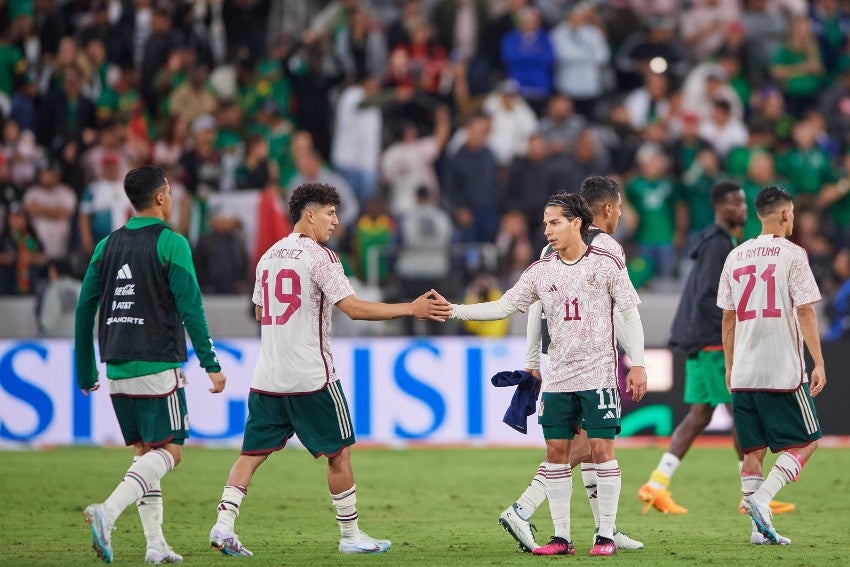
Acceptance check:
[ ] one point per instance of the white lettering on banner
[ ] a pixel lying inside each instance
(129, 289)
(432, 391)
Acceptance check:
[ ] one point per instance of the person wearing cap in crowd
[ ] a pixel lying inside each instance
(512, 122)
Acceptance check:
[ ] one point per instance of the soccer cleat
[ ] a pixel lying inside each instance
(521, 530)
(603, 547)
(622, 541)
(659, 499)
(101, 531)
(155, 556)
(757, 539)
(556, 546)
(364, 544)
(227, 543)
(761, 517)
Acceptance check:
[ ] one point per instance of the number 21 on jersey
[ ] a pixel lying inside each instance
(747, 275)
(287, 291)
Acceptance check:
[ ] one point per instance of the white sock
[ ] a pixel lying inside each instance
(559, 489)
(608, 481)
(145, 472)
(228, 506)
(530, 500)
(346, 513)
(588, 475)
(750, 483)
(663, 473)
(785, 470)
(150, 514)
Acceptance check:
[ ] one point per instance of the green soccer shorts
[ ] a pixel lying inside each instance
(154, 421)
(705, 378)
(778, 420)
(321, 420)
(563, 414)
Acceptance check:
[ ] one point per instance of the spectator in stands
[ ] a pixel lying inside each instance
(766, 27)
(722, 130)
(400, 31)
(356, 148)
(528, 57)
(408, 164)
(582, 58)
(661, 225)
(798, 67)
(514, 246)
(499, 27)
(170, 146)
(104, 206)
(513, 122)
(806, 167)
(484, 287)
(560, 126)
(761, 173)
(650, 102)
(246, 24)
(708, 82)
(24, 156)
(703, 25)
(67, 114)
(200, 167)
(655, 48)
(829, 25)
(461, 27)
(58, 301)
(360, 47)
(469, 184)
(221, 255)
(22, 258)
(255, 170)
(158, 47)
(589, 157)
(427, 63)
(697, 181)
(808, 233)
(50, 206)
(371, 237)
(768, 113)
(684, 148)
(193, 98)
(531, 181)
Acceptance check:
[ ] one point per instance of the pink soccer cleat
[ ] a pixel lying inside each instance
(556, 546)
(603, 547)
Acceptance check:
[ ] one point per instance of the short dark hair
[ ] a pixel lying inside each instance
(770, 198)
(721, 189)
(311, 193)
(142, 184)
(573, 206)
(599, 189)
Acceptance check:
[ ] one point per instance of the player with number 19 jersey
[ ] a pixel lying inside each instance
(298, 283)
(764, 280)
(578, 300)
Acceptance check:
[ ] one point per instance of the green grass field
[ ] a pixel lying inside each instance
(438, 506)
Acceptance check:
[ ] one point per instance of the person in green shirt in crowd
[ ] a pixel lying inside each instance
(761, 140)
(761, 173)
(798, 67)
(654, 196)
(12, 62)
(835, 197)
(142, 280)
(806, 166)
(696, 185)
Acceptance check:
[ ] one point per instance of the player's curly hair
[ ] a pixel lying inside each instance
(311, 194)
(573, 206)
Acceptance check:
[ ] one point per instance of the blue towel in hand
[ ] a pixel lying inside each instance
(524, 401)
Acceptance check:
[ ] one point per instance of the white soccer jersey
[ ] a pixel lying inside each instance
(764, 280)
(578, 301)
(298, 283)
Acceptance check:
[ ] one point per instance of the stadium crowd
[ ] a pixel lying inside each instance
(445, 125)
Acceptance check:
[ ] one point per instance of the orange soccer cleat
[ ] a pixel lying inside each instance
(659, 499)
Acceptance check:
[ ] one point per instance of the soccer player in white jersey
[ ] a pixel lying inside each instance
(295, 389)
(579, 287)
(767, 292)
(604, 200)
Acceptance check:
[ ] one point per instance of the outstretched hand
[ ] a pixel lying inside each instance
(432, 305)
(219, 380)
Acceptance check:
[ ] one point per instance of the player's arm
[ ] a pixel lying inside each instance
(727, 332)
(429, 305)
(808, 318)
(633, 344)
(87, 304)
(532, 336)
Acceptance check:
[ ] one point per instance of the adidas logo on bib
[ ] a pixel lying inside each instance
(609, 415)
(124, 273)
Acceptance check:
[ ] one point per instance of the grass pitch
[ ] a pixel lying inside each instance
(438, 506)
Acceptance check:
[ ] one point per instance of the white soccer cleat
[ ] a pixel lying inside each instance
(364, 544)
(227, 543)
(155, 556)
(101, 531)
(521, 530)
(761, 516)
(757, 539)
(625, 542)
